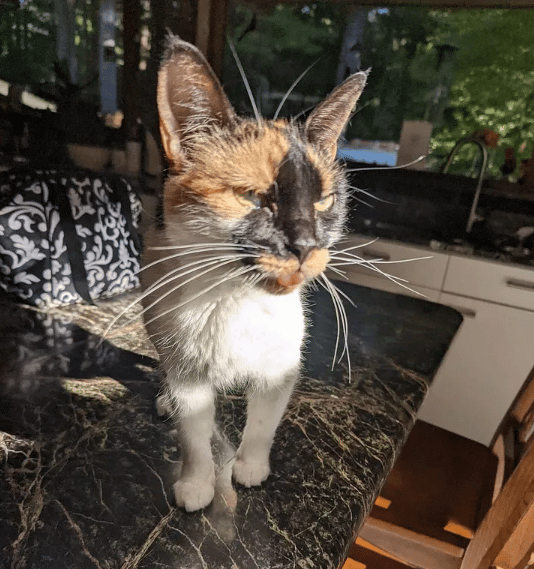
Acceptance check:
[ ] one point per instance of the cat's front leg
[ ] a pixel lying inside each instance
(266, 405)
(195, 412)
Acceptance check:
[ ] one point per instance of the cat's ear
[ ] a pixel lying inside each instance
(190, 97)
(328, 119)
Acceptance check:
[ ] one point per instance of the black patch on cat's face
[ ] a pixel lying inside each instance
(288, 223)
(298, 187)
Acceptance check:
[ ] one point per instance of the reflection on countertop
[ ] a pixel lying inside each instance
(88, 465)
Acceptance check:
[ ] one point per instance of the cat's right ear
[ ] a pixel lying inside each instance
(190, 98)
(328, 119)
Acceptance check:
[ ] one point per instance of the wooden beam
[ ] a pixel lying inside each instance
(508, 522)
(443, 4)
(212, 16)
(410, 547)
(131, 14)
(184, 18)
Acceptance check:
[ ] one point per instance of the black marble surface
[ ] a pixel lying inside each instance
(87, 466)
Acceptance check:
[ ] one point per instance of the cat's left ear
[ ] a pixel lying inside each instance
(190, 98)
(327, 120)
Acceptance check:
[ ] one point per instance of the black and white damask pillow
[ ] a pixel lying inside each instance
(67, 237)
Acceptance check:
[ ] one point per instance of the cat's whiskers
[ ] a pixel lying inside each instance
(210, 266)
(399, 167)
(336, 310)
(350, 257)
(245, 81)
(167, 279)
(240, 271)
(345, 325)
(294, 84)
(367, 193)
(193, 251)
(338, 271)
(344, 322)
(205, 262)
(343, 258)
(363, 201)
(217, 244)
(343, 295)
(354, 246)
(341, 319)
(370, 263)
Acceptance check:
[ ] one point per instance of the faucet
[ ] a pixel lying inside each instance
(478, 139)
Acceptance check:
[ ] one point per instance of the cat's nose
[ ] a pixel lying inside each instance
(300, 251)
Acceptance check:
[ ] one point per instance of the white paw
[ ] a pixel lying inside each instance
(251, 473)
(163, 407)
(193, 495)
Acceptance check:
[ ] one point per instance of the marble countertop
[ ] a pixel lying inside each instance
(87, 466)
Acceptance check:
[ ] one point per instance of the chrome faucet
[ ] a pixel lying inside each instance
(475, 138)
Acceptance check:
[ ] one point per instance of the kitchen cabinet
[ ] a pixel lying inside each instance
(484, 368)
(493, 351)
(428, 273)
(382, 283)
(490, 280)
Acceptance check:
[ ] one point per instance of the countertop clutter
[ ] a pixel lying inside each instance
(88, 466)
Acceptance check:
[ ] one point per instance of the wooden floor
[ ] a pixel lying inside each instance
(368, 559)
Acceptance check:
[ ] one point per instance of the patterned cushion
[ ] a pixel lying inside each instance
(67, 236)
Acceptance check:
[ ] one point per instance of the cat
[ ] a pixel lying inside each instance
(251, 208)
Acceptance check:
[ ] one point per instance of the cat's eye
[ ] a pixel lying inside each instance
(326, 203)
(252, 198)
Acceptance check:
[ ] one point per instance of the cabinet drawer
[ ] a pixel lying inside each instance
(428, 273)
(381, 283)
(488, 280)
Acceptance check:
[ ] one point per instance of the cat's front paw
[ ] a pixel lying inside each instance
(163, 406)
(251, 473)
(193, 495)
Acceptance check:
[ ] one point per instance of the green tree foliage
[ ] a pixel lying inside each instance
(494, 80)
(28, 48)
(403, 71)
(27, 42)
(276, 47)
(492, 77)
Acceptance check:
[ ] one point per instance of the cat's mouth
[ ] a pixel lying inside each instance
(294, 279)
(286, 274)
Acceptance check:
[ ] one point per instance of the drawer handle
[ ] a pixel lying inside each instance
(521, 285)
(370, 254)
(467, 312)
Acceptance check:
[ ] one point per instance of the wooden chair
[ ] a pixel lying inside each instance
(452, 503)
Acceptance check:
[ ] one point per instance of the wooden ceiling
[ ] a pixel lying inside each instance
(503, 4)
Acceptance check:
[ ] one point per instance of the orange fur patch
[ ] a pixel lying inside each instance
(278, 266)
(315, 263)
(288, 274)
(244, 159)
(227, 204)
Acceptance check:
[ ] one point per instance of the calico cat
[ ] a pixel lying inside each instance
(251, 208)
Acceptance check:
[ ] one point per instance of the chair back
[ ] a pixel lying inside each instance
(505, 537)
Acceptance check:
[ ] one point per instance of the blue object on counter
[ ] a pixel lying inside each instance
(369, 156)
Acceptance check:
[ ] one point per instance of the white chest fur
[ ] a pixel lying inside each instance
(232, 333)
(241, 333)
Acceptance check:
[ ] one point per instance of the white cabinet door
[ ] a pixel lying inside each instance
(490, 280)
(426, 272)
(382, 283)
(487, 363)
